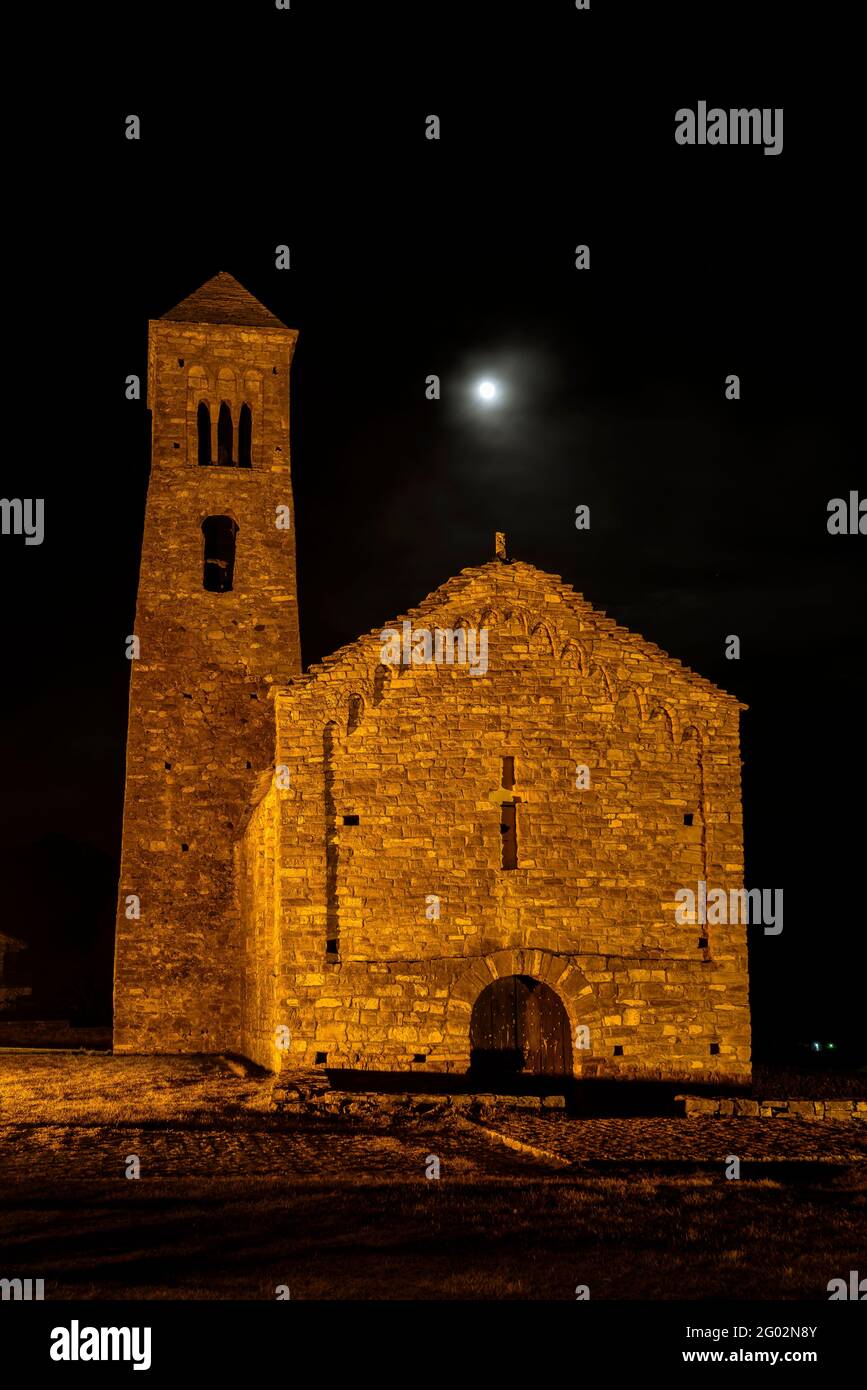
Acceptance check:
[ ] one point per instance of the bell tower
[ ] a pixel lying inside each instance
(216, 626)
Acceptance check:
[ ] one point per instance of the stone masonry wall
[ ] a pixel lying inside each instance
(200, 722)
(258, 904)
(367, 978)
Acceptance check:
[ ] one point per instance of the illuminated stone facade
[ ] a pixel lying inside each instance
(378, 842)
(200, 723)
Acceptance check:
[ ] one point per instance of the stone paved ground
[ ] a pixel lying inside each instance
(686, 1140)
(235, 1198)
(187, 1117)
(352, 1151)
(310, 1151)
(301, 1151)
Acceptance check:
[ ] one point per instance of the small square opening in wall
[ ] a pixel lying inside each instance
(321, 1059)
(419, 1057)
(331, 947)
(350, 820)
(687, 819)
(618, 1050)
(180, 361)
(702, 943)
(714, 1049)
(184, 848)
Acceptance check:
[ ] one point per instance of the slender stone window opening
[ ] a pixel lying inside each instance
(203, 426)
(225, 442)
(509, 817)
(245, 438)
(356, 710)
(219, 554)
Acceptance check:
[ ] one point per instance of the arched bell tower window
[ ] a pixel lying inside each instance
(219, 553)
(224, 436)
(245, 437)
(203, 425)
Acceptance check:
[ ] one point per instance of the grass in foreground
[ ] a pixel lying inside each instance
(645, 1236)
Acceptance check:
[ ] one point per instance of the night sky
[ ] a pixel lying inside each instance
(456, 257)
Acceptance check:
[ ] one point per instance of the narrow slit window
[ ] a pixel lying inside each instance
(509, 816)
(245, 437)
(356, 710)
(203, 426)
(509, 832)
(225, 442)
(219, 553)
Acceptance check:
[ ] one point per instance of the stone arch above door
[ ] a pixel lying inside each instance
(559, 972)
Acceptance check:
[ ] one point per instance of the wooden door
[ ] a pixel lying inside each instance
(520, 1025)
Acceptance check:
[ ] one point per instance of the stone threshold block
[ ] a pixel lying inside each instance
(774, 1109)
(295, 1101)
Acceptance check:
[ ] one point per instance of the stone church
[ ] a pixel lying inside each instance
(398, 860)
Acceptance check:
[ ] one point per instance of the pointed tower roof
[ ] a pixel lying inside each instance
(223, 300)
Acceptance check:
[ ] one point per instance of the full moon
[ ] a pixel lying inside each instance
(487, 390)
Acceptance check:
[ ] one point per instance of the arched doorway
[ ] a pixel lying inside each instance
(519, 1026)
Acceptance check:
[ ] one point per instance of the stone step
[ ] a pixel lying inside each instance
(835, 1109)
(294, 1099)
